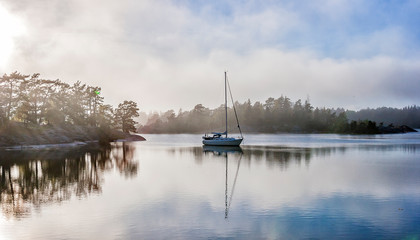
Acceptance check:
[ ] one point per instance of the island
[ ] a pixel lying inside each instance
(281, 115)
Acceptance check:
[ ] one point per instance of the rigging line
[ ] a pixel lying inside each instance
(234, 181)
(234, 109)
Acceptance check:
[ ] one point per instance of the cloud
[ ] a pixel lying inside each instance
(11, 27)
(172, 54)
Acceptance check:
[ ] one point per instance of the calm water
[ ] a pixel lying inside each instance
(284, 186)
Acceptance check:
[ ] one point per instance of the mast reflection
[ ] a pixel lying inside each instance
(225, 151)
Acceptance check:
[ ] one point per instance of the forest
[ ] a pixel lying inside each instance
(30, 105)
(409, 115)
(272, 116)
(36, 110)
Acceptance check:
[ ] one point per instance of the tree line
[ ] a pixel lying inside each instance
(409, 115)
(34, 101)
(274, 115)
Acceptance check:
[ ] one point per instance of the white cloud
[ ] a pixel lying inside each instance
(164, 55)
(11, 27)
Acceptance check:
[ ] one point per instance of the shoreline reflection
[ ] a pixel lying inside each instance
(188, 191)
(283, 156)
(30, 179)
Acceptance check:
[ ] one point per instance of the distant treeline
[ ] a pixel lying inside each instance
(406, 116)
(274, 115)
(32, 101)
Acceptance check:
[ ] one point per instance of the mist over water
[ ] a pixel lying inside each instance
(289, 186)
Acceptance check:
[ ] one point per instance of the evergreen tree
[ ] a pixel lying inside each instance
(125, 114)
(9, 85)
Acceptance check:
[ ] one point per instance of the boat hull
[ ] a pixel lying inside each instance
(223, 142)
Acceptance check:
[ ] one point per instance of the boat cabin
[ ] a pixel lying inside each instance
(215, 135)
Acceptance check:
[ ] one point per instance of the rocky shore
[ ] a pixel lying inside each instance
(18, 135)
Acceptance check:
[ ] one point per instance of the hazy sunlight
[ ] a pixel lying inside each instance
(11, 27)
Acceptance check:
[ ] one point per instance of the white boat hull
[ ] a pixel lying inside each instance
(223, 142)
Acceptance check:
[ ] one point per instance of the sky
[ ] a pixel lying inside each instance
(172, 54)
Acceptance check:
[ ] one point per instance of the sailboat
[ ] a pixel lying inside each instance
(222, 138)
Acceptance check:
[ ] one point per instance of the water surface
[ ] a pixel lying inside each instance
(286, 186)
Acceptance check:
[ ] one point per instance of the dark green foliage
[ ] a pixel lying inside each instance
(32, 100)
(46, 108)
(406, 116)
(9, 93)
(340, 124)
(125, 114)
(363, 127)
(275, 115)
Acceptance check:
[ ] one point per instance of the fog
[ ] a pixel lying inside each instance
(172, 54)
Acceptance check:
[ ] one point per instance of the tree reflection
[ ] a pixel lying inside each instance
(29, 179)
(272, 156)
(123, 155)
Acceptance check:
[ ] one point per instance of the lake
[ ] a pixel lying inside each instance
(280, 186)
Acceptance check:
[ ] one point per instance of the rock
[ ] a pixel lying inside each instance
(135, 138)
(130, 138)
(395, 129)
(18, 134)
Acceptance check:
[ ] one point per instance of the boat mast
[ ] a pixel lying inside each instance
(226, 104)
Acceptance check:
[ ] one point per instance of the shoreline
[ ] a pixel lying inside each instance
(17, 136)
(50, 146)
(46, 146)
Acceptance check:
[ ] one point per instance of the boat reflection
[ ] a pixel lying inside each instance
(226, 151)
(228, 203)
(219, 150)
(29, 179)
